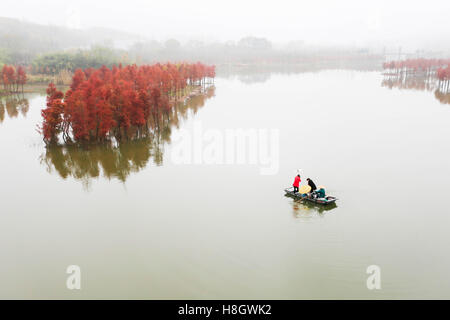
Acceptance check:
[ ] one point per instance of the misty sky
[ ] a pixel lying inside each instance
(412, 24)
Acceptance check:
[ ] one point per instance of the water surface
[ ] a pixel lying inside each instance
(140, 226)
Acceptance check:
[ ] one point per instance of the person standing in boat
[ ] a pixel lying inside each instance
(296, 183)
(312, 185)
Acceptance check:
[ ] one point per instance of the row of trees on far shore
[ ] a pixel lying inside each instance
(118, 103)
(430, 72)
(95, 57)
(421, 65)
(11, 78)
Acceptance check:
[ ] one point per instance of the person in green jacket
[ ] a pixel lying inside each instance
(321, 193)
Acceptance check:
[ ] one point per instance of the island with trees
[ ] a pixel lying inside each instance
(118, 103)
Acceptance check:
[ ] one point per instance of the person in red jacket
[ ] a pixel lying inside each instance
(296, 183)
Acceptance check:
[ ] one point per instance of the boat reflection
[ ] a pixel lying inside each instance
(12, 105)
(119, 161)
(305, 210)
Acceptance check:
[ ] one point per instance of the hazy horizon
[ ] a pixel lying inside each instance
(406, 24)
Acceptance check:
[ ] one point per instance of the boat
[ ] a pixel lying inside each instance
(305, 196)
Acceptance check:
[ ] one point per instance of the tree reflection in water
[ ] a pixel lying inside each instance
(413, 82)
(443, 98)
(260, 73)
(121, 159)
(11, 105)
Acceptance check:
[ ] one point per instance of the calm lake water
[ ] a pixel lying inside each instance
(141, 226)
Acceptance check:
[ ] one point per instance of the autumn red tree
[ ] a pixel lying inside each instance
(21, 76)
(8, 76)
(118, 103)
(52, 115)
(11, 78)
(416, 65)
(419, 71)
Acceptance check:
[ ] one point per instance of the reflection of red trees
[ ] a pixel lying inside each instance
(118, 103)
(408, 82)
(419, 74)
(12, 105)
(119, 160)
(442, 97)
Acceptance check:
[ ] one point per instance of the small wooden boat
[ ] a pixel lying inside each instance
(306, 196)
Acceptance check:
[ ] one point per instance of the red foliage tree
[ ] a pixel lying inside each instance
(51, 126)
(8, 78)
(420, 69)
(12, 78)
(415, 65)
(21, 76)
(117, 102)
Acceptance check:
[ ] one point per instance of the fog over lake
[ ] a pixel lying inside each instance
(149, 228)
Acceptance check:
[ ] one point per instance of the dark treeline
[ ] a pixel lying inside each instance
(246, 51)
(50, 50)
(236, 59)
(52, 53)
(95, 57)
(21, 42)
